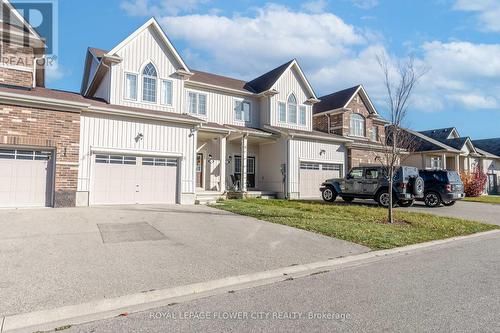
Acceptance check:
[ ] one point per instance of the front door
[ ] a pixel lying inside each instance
(250, 170)
(492, 184)
(199, 170)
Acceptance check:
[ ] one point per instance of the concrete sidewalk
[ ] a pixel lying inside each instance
(55, 257)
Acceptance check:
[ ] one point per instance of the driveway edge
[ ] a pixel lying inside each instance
(112, 307)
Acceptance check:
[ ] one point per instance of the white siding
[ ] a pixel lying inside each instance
(273, 156)
(301, 150)
(104, 88)
(119, 133)
(146, 47)
(290, 82)
(220, 107)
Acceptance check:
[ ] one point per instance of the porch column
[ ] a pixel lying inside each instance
(444, 161)
(244, 155)
(457, 163)
(222, 164)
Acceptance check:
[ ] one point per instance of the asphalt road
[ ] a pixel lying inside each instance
(450, 288)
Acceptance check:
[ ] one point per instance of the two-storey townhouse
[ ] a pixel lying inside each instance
(249, 135)
(490, 151)
(350, 113)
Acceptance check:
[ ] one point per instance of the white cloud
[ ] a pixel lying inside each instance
(488, 12)
(365, 4)
(55, 72)
(475, 101)
(315, 6)
(247, 45)
(159, 7)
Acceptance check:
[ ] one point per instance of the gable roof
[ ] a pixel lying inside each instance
(341, 100)
(491, 146)
(219, 80)
(439, 134)
(427, 143)
(154, 24)
(268, 80)
(443, 135)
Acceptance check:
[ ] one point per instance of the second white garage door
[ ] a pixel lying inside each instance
(312, 175)
(133, 180)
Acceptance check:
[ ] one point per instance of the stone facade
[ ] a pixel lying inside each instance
(51, 130)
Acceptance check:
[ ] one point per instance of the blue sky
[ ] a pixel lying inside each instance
(335, 42)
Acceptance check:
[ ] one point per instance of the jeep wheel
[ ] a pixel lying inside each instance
(449, 203)
(347, 199)
(329, 195)
(408, 203)
(432, 199)
(383, 199)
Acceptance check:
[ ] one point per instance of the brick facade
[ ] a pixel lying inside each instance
(46, 129)
(16, 67)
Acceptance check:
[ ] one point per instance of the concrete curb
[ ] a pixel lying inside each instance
(112, 307)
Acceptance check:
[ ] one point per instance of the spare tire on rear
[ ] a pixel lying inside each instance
(417, 186)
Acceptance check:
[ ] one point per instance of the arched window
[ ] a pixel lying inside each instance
(292, 109)
(357, 125)
(149, 83)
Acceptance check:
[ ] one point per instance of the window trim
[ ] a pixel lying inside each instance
(243, 101)
(157, 78)
(279, 113)
(299, 108)
(302, 108)
(197, 93)
(374, 133)
(125, 86)
(162, 97)
(351, 128)
(288, 103)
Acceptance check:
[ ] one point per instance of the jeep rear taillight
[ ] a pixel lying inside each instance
(448, 187)
(402, 186)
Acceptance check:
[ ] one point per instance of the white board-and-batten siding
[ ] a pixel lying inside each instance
(289, 83)
(119, 133)
(311, 151)
(143, 49)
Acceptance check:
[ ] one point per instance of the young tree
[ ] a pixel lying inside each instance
(400, 82)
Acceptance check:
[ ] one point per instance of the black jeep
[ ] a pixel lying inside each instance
(372, 183)
(442, 187)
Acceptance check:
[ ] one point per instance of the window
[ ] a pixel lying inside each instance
(167, 92)
(250, 165)
(331, 167)
(372, 173)
(11, 154)
(197, 103)
(302, 115)
(282, 112)
(242, 111)
(309, 166)
(356, 173)
(357, 125)
(149, 77)
(131, 86)
(374, 133)
(115, 159)
(159, 161)
(436, 162)
(292, 109)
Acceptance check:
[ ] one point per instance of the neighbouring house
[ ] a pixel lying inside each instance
(146, 128)
(490, 150)
(351, 114)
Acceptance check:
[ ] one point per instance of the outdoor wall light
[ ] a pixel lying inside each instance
(210, 159)
(229, 159)
(322, 152)
(139, 137)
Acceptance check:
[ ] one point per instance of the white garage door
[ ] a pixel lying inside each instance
(133, 180)
(312, 175)
(25, 178)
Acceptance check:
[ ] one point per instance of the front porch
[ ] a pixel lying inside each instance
(229, 162)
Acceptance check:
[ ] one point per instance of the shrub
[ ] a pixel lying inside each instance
(474, 182)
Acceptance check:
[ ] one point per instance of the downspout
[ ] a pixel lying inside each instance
(329, 123)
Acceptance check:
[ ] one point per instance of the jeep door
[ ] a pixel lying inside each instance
(354, 181)
(371, 181)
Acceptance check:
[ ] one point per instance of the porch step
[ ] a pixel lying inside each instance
(205, 198)
(262, 194)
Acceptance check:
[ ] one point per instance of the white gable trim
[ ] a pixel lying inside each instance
(454, 130)
(295, 64)
(365, 96)
(152, 23)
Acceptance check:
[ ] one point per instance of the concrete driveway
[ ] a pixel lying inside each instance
(56, 257)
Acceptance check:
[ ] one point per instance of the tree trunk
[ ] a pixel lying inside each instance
(391, 181)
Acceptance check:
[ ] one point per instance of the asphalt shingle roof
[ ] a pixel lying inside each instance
(334, 101)
(438, 134)
(267, 80)
(491, 146)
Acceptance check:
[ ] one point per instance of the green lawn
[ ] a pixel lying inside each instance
(492, 199)
(359, 224)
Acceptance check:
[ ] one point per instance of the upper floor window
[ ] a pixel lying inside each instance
(131, 86)
(302, 115)
(149, 83)
(197, 103)
(357, 123)
(374, 133)
(167, 92)
(242, 111)
(282, 112)
(292, 109)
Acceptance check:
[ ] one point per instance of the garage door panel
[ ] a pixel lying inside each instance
(312, 175)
